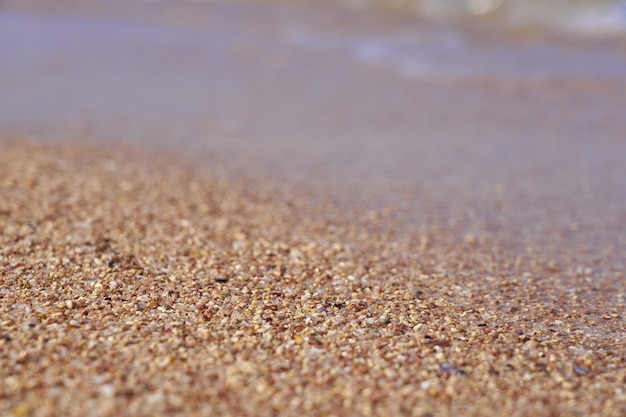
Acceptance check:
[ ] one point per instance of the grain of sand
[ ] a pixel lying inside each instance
(133, 283)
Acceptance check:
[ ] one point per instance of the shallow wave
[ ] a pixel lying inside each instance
(586, 17)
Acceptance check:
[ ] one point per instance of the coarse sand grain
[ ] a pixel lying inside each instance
(133, 283)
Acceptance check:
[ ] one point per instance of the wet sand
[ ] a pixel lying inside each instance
(242, 210)
(134, 283)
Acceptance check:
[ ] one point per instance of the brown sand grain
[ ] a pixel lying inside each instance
(134, 284)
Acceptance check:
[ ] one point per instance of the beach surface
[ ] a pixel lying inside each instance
(137, 284)
(244, 209)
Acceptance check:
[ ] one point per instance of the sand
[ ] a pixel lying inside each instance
(354, 234)
(135, 283)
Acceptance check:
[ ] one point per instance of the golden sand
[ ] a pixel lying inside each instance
(132, 283)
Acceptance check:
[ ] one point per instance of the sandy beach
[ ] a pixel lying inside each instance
(133, 283)
(252, 210)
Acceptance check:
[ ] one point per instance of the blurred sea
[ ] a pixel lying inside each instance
(447, 49)
(591, 17)
(466, 114)
(67, 60)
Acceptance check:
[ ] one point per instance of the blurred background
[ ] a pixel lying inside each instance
(590, 16)
(504, 111)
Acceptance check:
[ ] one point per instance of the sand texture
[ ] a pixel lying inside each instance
(133, 283)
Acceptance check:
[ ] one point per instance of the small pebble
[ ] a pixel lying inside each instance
(582, 370)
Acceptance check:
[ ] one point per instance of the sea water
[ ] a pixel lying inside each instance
(467, 116)
(595, 17)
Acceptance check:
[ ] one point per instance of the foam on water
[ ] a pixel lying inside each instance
(597, 17)
(591, 17)
(459, 58)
